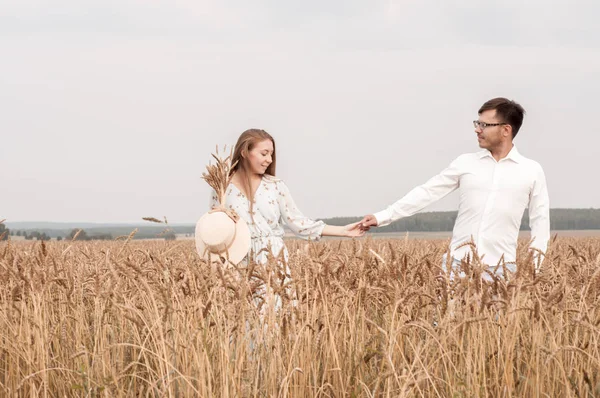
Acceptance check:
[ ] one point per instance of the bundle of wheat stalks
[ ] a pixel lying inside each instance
(370, 318)
(218, 176)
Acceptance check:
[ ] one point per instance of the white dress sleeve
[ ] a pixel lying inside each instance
(302, 226)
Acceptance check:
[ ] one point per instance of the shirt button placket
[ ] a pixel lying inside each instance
(489, 205)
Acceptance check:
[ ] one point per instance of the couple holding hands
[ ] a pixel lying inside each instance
(496, 185)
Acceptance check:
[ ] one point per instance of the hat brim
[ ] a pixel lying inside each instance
(235, 253)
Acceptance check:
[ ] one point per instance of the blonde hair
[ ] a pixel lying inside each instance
(245, 143)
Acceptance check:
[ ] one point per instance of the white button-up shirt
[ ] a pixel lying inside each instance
(493, 197)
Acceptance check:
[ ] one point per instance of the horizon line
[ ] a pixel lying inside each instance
(141, 221)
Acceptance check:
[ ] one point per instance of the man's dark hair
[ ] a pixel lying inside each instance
(507, 111)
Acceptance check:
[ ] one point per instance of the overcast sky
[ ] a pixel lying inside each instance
(109, 109)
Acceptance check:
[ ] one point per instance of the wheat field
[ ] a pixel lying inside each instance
(364, 318)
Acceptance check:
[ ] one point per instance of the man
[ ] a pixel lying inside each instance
(495, 185)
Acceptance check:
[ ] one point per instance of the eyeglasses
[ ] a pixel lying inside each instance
(483, 125)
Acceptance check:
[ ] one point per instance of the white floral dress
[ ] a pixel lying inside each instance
(273, 206)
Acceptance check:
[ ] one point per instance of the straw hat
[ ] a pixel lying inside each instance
(221, 234)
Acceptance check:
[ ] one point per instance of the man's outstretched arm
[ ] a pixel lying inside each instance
(419, 198)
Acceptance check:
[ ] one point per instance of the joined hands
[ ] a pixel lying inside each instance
(361, 227)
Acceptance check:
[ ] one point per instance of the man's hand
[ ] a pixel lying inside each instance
(367, 222)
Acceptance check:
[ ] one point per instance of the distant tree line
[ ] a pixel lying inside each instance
(36, 235)
(4, 232)
(31, 235)
(81, 234)
(565, 219)
(86, 235)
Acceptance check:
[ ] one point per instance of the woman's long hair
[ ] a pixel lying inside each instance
(244, 145)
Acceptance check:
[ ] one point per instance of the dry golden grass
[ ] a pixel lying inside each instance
(126, 318)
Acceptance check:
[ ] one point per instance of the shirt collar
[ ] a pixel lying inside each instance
(513, 155)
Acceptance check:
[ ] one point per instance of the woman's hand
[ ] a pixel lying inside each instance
(348, 231)
(353, 230)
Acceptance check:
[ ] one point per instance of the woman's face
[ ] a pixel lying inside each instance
(261, 156)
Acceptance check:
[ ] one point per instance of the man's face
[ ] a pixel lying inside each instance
(491, 137)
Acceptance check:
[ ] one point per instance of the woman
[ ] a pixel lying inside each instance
(264, 201)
